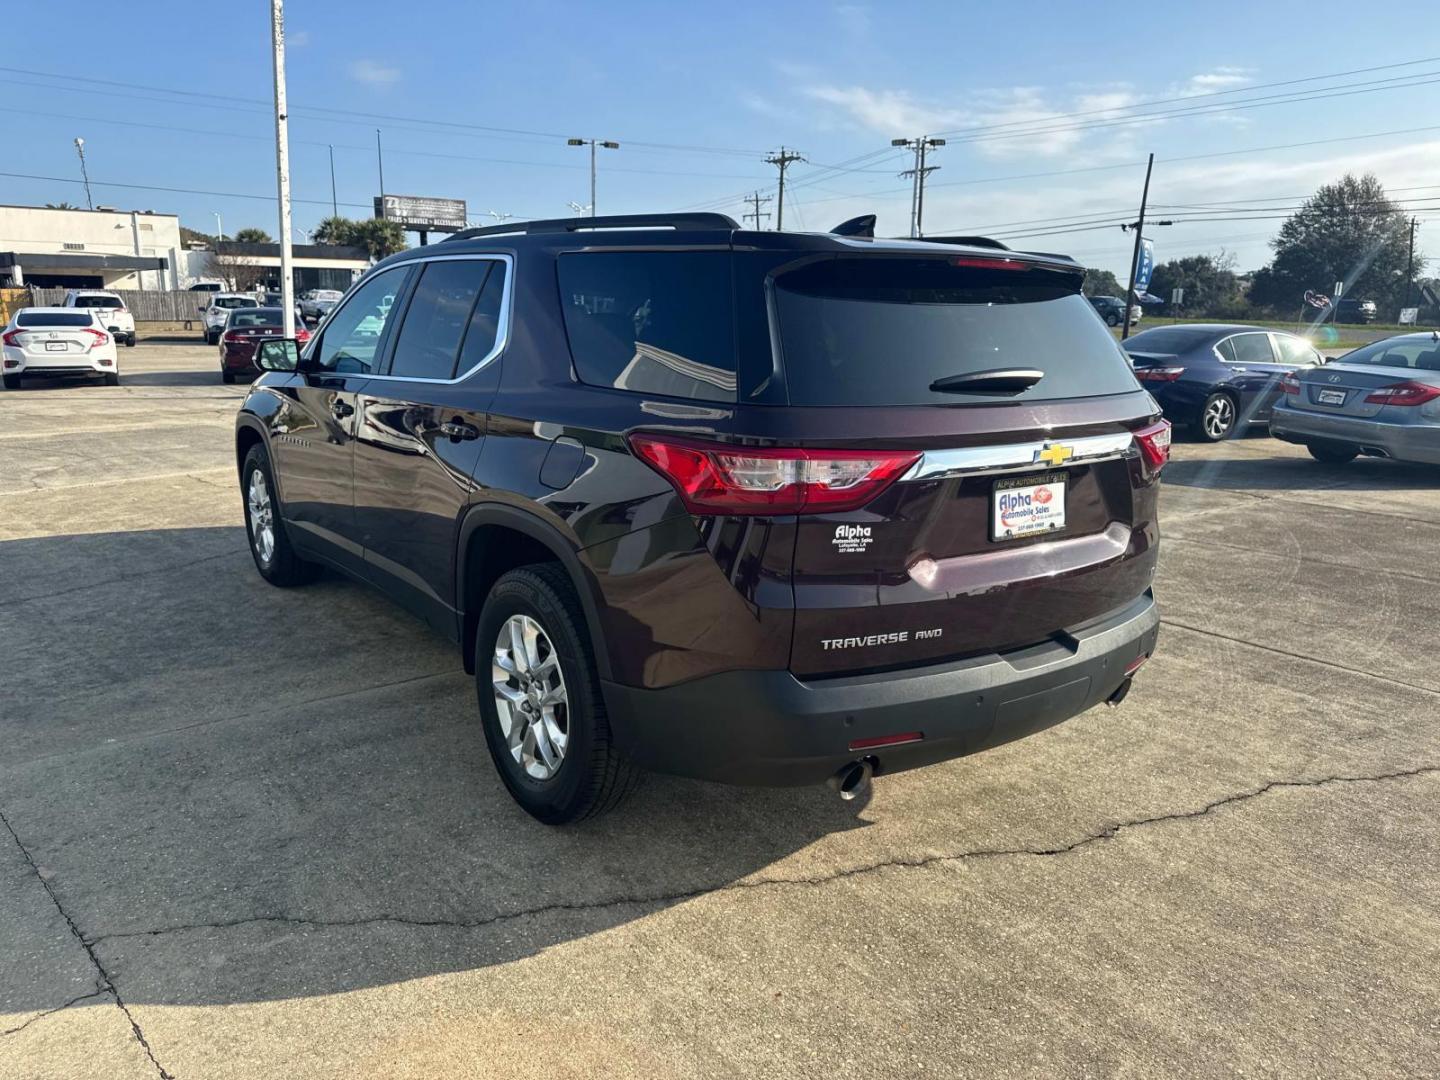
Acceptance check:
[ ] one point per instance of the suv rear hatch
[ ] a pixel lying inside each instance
(1029, 507)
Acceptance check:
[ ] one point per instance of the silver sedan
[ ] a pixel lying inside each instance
(1382, 400)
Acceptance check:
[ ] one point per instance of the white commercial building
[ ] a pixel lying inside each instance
(106, 248)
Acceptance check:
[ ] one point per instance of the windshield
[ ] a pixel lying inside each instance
(883, 331)
(1404, 352)
(256, 317)
(105, 303)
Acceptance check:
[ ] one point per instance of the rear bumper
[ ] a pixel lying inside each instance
(770, 728)
(1404, 442)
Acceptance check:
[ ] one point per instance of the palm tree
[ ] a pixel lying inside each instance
(253, 236)
(60, 206)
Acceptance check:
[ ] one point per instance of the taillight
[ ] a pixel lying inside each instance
(301, 334)
(1159, 374)
(1154, 444)
(715, 478)
(12, 338)
(1408, 392)
(982, 262)
(101, 338)
(1290, 383)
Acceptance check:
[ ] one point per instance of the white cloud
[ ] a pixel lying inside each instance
(889, 112)
(1220, 78)
(373, 73)
(297, 39)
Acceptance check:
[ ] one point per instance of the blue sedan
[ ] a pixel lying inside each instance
(1215, 378)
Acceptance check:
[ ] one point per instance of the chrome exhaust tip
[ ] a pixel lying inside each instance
(851, 781)
(1121, 692)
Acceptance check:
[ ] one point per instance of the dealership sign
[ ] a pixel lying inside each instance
(1144, 266)
(422, 215)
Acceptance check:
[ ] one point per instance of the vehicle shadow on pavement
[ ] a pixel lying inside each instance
(207, 377)
(1250, 473)
(241, 793)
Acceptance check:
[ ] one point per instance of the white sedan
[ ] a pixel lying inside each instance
(57, 341)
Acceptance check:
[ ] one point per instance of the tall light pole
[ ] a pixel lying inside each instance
(334, 202)
(80, 149)
(592, 143)
(219, 225)
(282, 166)
(917, 174)
(380, 163)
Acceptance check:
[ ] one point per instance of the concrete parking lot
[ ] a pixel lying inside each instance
(255, 833)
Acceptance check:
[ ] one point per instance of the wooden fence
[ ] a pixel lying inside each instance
(146, 306)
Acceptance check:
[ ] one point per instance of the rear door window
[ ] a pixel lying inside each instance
(654, 322)
(1293, 350)
(438, 318)
(882, 331)
(1252, 349)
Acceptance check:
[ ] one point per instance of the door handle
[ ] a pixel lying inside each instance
(458, 430)
(340, 409)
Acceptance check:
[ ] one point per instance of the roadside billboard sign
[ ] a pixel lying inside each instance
(420, 214)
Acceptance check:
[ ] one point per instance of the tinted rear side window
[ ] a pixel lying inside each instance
(54, 318)
(437, 318)
(655, 322)
(1168, 339)
(880, 331)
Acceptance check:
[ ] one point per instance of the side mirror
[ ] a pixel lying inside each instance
(278, 354)
(1329, 359)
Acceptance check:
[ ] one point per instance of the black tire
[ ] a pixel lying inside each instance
(1112, 319)
(12, 382)
(1332, 453)
(129, 341)
(227, 377)
(282, 566)
(592, 777)
(1219, 416)
(112, 379)
(211, 338)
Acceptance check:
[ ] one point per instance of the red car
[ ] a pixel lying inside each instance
(243, 329)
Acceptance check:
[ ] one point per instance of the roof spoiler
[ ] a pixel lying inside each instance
(691, 222)
(967, 241)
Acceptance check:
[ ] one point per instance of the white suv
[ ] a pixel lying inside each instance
(214, 314)
(58, 341)
(113, 313)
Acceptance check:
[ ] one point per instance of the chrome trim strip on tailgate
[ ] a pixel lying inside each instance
(970, 460)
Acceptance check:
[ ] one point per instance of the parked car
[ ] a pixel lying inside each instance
(713, 512)
(317, 303)
(216, 313)
(58, 341)
(1351, 310)
(275, 299)
(114, 315)
(245, 329)
(1216, 378)
(1112, 309)
(207, 286)
(1382, 400)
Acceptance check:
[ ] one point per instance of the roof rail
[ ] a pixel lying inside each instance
(696, 222)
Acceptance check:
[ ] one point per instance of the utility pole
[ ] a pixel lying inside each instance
(80, 149)
(782, 159)
(1135, 259)
(380, 164)
(917, 174)
(282, 166)
(756, 201)
(1410, 262)
(592, 143)
(334, 202)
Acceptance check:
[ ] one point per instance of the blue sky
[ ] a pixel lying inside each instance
(698, 93)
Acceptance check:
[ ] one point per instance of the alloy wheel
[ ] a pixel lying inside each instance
(1219, 417)
(530, 697)
(262, 517)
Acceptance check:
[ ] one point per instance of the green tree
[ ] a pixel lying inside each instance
(252, 236)
(1209, 281)
(1347, 231)
(379, 237)
(1101, 283)
(60, 206)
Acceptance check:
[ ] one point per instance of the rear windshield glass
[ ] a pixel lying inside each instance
(235, 302)
(655, 322)
(1168, 339)
(106, 302)
(881, 331)
(54, 318)
(1422, 353)
(256, 317)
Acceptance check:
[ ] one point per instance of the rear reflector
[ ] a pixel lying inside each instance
(887, 740)
(1136, 664)
(1154, 442)
(1408, 392)
(718, 478)
(1159, 374)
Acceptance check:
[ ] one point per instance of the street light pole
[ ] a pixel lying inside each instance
(219, 226)
(282, 166)
(608, 144)
(80, 149)
(334, 202)
(380, 162)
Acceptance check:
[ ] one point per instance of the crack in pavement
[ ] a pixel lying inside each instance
(124, 577)
(1300, 656)
(106, 983)
(920, 862)
(99, 990)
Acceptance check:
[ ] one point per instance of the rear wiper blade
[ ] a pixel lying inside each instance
(993, 381)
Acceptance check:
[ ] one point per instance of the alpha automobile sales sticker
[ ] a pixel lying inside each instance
(1026, 505)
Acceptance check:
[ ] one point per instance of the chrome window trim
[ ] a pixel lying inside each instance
(1017, 457)
(502, 329)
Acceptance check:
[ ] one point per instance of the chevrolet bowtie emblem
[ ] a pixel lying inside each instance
(1054, 454)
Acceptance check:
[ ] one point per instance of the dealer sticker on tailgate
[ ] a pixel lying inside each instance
(1026, 505)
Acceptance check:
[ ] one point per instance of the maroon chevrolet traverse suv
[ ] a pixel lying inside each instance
(759, 507)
